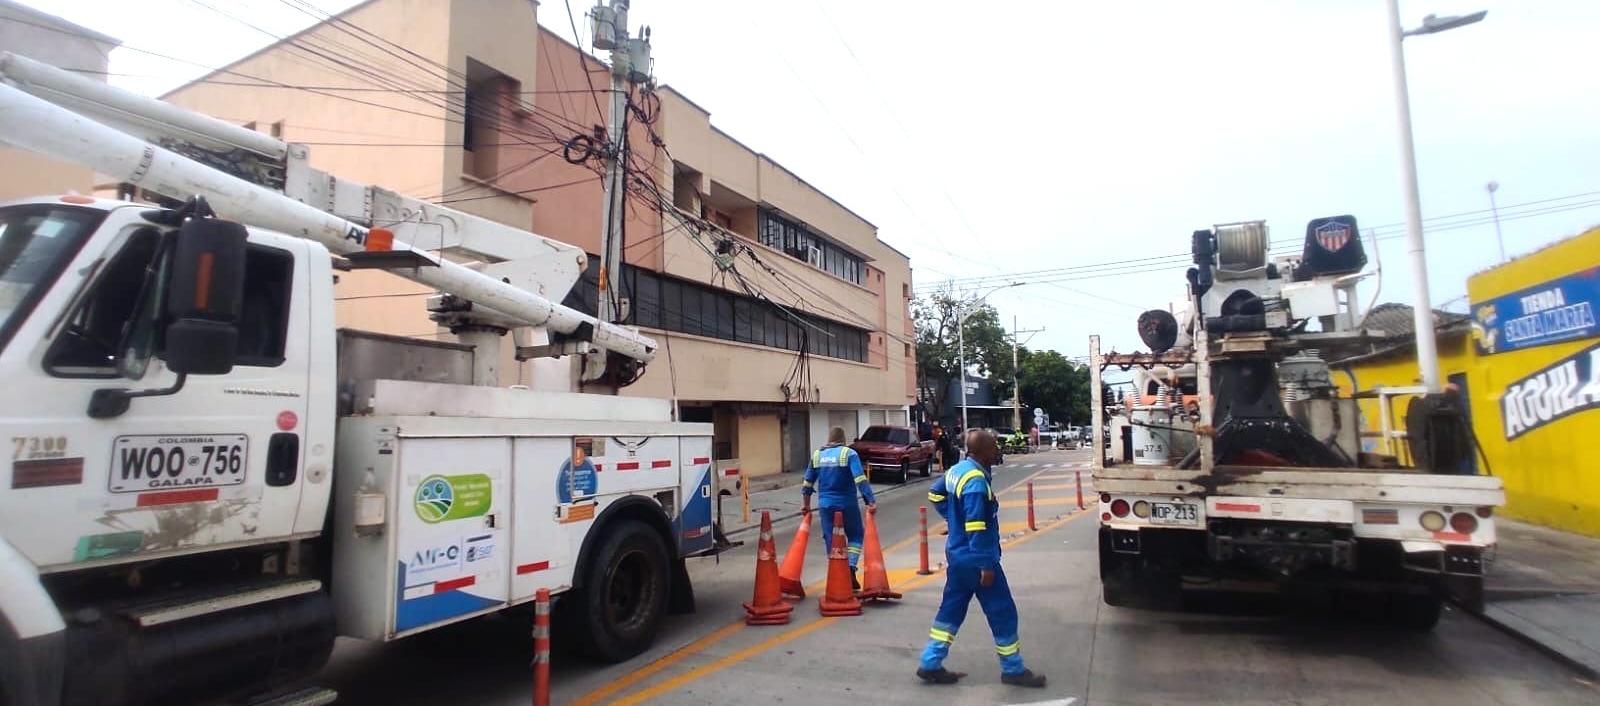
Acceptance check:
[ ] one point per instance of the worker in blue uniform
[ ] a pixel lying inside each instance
(835, 474)
(966, 499)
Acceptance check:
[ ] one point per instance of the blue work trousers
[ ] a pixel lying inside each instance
(853, 531)
(960, 585)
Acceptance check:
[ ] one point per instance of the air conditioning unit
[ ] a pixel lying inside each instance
(814, 255)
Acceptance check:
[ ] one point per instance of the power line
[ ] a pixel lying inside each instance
(1163, 262)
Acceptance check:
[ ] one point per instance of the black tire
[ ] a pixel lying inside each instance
(1415, 611)
(1128, 581)
(927, 467)
(616, 614)
(905, 470)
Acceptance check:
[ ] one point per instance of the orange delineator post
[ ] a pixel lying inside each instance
(922, 545)
(839, 598)
(1032, 527)
(541, 648)
(874, 575)
(794, 563)
(1078, 476)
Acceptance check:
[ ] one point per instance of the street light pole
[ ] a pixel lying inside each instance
(1422, 307)
(961, 343)
(1494, 209)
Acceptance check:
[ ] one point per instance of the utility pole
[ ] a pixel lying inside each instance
(630, 65)
(1016, 385)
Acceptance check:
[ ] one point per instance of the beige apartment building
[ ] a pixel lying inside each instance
(470, 102)
(55, 41)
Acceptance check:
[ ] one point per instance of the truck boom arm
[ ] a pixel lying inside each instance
(36, 120)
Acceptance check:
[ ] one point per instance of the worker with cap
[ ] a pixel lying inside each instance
(966, 499)
(835, 474)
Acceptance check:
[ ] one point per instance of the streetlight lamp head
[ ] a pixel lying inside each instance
(1492, 186)
(1434, 24)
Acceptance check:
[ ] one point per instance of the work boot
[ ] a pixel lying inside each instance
(1025, 677)
(855, 585)
(939, 676)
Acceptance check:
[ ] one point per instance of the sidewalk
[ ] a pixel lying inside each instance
(1544, 587)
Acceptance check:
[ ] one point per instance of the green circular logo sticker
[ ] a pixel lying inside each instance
(434, 498)
(443, 498)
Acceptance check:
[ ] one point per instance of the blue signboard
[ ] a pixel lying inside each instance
(1559, 310)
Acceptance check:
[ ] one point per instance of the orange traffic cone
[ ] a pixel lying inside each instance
(875, 577)
(767, 606)
(840, 598)
(794, 563)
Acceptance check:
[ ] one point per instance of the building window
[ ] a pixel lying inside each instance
(672, 304)
(908, 349)
(250, 125)
(488, 102)
(277, 129)
(801, 243)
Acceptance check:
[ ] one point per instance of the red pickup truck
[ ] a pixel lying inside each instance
(895, 451)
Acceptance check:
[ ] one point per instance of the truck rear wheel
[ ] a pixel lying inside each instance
(1129, 581)
(616, 613)
(1415, 611)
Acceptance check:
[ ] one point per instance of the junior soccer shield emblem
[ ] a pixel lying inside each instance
(1333, 236)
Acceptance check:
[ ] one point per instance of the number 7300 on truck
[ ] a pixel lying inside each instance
(208, 481)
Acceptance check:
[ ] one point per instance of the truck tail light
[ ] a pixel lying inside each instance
(1105, 497)
(1464, 523)
(1486, 512)
(1141, 509)
(1432, 521)
(1119, 507)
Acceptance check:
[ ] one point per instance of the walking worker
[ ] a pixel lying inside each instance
(972, 552)
(835, 473)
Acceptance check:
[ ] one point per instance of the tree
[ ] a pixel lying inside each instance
(988, 346)
(1055, 384)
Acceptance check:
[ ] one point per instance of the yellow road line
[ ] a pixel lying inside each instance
(634, 677)
(792, 633)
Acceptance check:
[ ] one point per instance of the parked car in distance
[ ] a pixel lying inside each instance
(894, 451)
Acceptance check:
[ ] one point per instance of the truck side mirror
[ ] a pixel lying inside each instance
(204, 297)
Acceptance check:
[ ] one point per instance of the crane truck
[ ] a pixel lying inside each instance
(209, 481)
(1237, 465)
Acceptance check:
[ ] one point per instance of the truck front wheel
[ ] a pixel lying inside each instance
(624, 595)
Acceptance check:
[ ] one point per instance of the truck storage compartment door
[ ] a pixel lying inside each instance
(452, 560)
(694, 469)
(539, 551)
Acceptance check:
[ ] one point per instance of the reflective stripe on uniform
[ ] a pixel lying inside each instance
(816, 458)
(1007, 650)
(853, 550)
(935, 497)
(941, 635)
(961, 483)
(976, 526)
(809, 484)
(861, 479)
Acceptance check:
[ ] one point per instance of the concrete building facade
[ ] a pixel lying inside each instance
(54, 41)
(474, 105)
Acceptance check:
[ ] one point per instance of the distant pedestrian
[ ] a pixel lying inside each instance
(835, 473)
(966, 499)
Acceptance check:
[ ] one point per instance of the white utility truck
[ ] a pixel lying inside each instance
(209, 481)
(1236, 463)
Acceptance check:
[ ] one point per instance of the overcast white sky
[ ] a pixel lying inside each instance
(984, 138)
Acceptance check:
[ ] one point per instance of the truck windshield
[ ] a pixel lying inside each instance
(36, 243)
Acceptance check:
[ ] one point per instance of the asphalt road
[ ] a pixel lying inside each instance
(1238, 651)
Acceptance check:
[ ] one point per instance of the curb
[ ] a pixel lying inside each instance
(1572, 654)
